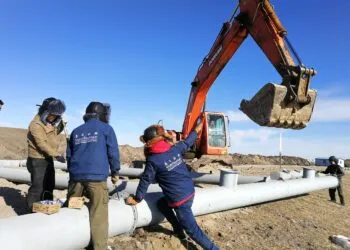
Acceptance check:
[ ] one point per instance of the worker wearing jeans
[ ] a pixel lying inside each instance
(165, 165)
(183, 219)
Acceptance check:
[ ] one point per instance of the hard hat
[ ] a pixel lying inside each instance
(333, 158)
(51, 106)
(98, 110)
(56, 107)
(154, 131)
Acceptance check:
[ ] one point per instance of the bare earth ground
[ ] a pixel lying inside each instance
(303, 222)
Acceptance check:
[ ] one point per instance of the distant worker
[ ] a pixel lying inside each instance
(335, 170)
(92, 152)
(1, 104)
(43, 143)
(165, 164)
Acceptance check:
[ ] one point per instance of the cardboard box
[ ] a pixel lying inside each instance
(46, 207)
(76, 202)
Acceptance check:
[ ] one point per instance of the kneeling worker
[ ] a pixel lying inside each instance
(165, 164)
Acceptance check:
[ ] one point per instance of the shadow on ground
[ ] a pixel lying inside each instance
(187, 243)
(15, 199)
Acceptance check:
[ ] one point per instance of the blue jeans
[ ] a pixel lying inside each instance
(184, 220)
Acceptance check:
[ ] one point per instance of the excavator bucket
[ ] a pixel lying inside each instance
(269, 108)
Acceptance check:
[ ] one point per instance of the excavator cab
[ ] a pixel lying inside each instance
(216, 134)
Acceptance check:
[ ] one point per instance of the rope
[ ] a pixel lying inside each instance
(135, 213)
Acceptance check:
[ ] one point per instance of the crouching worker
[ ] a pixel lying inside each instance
(92, 152)
(43, 143)
(335, 170)
(164, 164)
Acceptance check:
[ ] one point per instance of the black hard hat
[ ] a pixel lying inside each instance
(150, 133)
(333, 158)
(97, 110)
(56, 107)
(53, 106)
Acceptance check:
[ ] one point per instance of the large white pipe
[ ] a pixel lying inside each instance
(69, 229)
(61, 180)
(205, 178)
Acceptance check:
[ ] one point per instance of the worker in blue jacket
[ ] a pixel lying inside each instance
(93, 153)
(165, 164)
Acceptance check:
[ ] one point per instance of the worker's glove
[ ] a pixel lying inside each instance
(114, 179)
(131, 200)
(60, 158)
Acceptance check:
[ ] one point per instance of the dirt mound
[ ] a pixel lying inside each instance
(13, 143)
(130, 154)
(240, 159)
(347, 163)
(13, 146)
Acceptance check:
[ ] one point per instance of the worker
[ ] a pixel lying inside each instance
(92, 152)
(335, 170)
(165, 164)
(1, 104)
(43, 140)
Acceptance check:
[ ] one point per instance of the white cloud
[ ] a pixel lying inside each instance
(236, 116)
(260, 135)
(331, 110)
(73, 119)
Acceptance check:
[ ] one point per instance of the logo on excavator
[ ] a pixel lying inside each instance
(215, 55)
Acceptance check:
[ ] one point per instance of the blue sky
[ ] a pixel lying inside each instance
(141, 56)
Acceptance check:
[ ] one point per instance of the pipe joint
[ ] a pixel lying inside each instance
(228, 178)
(309, 173)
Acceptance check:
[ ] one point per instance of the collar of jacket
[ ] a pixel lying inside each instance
(160, 147)
(47, 128)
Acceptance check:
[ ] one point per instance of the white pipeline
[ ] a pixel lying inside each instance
(69, 229)
(61, 180)
(126, 171)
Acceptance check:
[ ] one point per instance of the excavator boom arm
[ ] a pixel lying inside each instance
(283, 102)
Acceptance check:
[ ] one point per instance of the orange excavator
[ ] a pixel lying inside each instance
(287, 105)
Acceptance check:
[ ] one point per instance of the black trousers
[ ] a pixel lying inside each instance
(340, 193)
(42, 176)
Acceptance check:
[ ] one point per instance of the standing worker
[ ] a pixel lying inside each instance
(335, 170)
(42, 141)
(165, 164)
(92, 151)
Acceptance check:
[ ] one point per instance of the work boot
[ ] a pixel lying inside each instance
(180, 235)
(334, 201)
